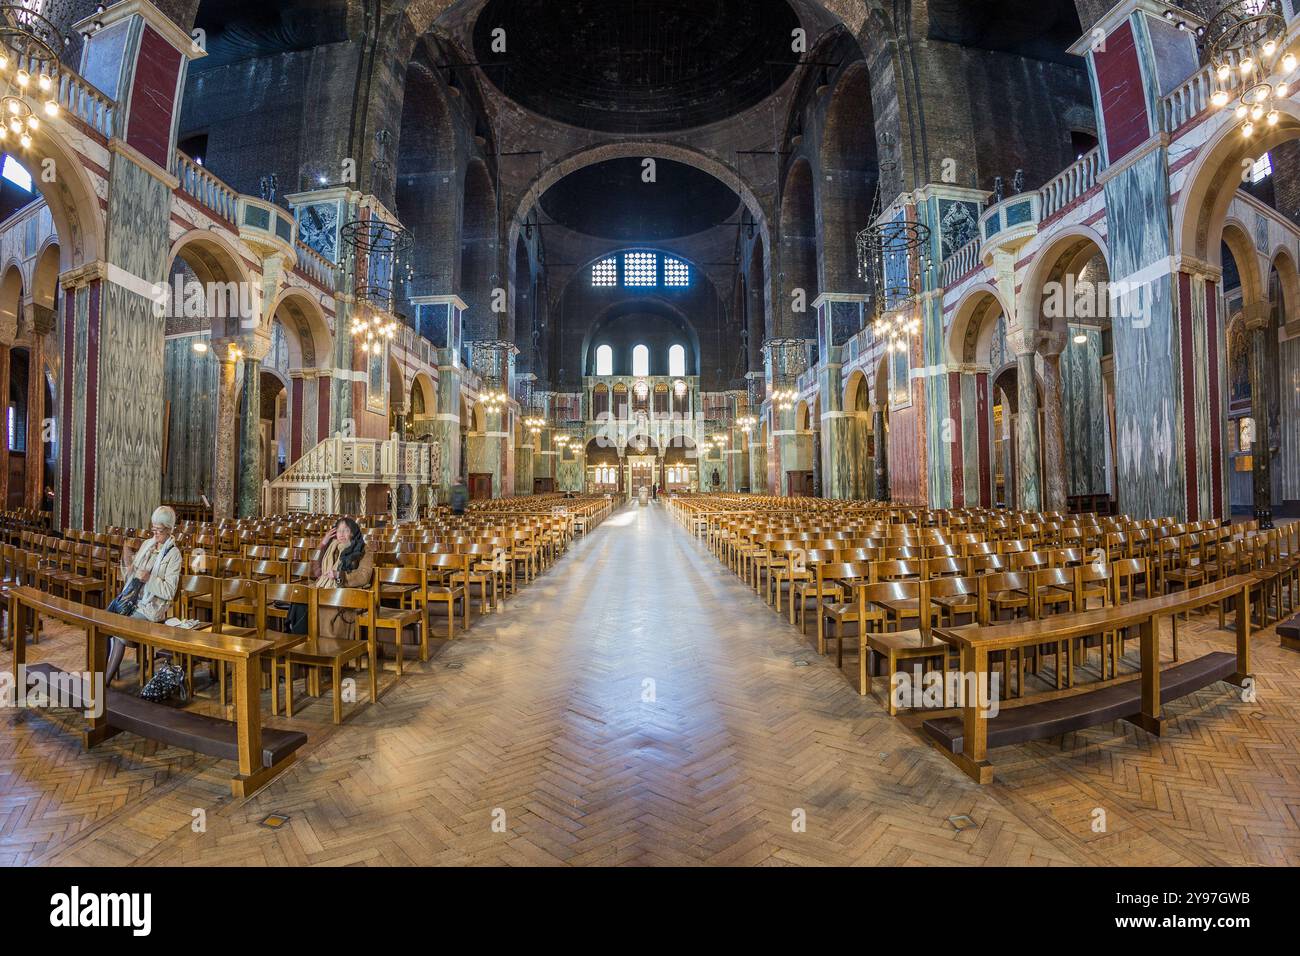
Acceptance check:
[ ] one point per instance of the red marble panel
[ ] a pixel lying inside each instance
(153, 97)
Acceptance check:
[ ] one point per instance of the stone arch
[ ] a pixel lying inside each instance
(848, 175)
(857, 392)
(478, 252)
(1213, 179)
(11, 301)
(45, 275)
(1284, 265)
(1068, 252)
(422, 384)
(971, 329)
(798, 231)
(1237, 238)
(73, 203)
(301, 315)
(590, 155)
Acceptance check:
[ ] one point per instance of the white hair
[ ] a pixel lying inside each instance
(164, 516)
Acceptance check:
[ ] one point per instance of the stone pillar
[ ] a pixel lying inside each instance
(880, 476)
(42, 323)
(1256, 316)
(1053, 484)
(250, 441)
(1029, 497)
(4, 439)
(223, 465)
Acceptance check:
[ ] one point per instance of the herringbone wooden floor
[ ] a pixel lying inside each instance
(639, 705)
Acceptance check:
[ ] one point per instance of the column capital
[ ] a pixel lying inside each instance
(1256, 315)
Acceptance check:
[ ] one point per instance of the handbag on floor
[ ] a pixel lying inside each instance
(168, 681)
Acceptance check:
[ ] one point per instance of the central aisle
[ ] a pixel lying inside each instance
(636, 704)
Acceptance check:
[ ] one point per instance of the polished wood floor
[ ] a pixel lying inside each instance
(639, 705)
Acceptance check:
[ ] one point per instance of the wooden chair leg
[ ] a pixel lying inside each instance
(338, 694)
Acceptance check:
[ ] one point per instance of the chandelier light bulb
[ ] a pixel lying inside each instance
(23, 78)
(1288, 63)
(44, 81)
(1272, 118)
(1081, 338)
(1224, 71)
(51, 109)
(1247, 65)
(16, 125)
(4, 62)
(1281, 89)
(1220, 98)
(1270, 47)
(1248, 129)
(1242, 110)
(1257, 112)
(33, 123)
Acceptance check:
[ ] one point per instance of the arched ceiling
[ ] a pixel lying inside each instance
(612, 200)
(637, 66)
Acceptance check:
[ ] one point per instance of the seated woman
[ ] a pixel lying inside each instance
(344, 563)
(157, 566)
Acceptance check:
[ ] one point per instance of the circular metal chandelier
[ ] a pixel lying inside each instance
(747, 423)
(491, 362)
(1244, 45)
(380, 252)
(789, 360)
(892, 256)
(32, 39)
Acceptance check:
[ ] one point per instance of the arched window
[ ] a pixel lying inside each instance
(640, 360)
(676, 360)
(604, 360)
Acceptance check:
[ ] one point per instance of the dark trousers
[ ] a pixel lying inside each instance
(297, 619)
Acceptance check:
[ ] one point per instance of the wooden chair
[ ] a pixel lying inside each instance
(446, 583)
(407, 585)
(317, 653)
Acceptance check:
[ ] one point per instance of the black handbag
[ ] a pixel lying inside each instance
(126, 602)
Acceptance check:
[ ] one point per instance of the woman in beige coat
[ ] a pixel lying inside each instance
(344, 563)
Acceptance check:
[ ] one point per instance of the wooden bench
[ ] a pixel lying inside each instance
(1061, 715)
(261, 753)
(965, 740)
(1289, 633)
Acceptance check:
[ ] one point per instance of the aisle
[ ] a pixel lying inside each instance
(637, 704)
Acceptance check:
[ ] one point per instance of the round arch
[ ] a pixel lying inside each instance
(45, 276)
(857, 392)
(11, 301)
(971, 330)
(848, 174)
(423, 385)
(477, 266)
(798, 231)
(1067, 252)
(649, 304)
(1237, 238)
(212, 256)
(301, 316)
(73, 203)
(1285, 266)
(639, 149)
(1213, 178)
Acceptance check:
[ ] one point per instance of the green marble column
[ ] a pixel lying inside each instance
(223, 482)
(1030, 496)
(1053, 485)
(880, 475)
(250, 442)
(1257, 322)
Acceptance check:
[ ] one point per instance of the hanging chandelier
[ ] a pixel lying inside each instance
(1244, 44)
(789, 360)
(893, 258)
(379, 252)
(374, 332)
(32, 38)
(491, 361)
(747, 423)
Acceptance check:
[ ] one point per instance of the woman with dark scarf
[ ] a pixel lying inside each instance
(344, 563)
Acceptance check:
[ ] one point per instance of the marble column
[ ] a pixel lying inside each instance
(4, 440)
(1054, 484)
(1029, 497)
(227, 433)
(1257, 324)
(758, 468)
(880, 470)
(43, 321)
(250, 442)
